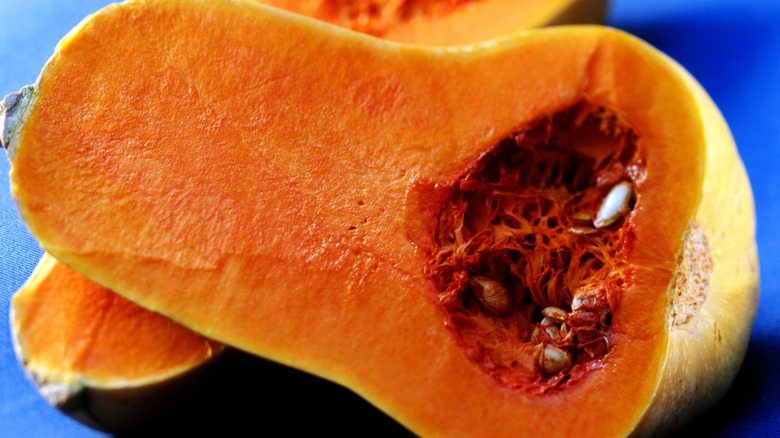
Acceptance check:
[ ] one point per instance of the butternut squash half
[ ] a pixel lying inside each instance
(100, 358)
(549, 233)
(100, 399)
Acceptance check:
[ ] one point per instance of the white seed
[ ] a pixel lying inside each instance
(580, 229)
(582, 216)
(564, 330)
(554, 359)
(551, 331)
(555, 314)
(615, 205)
(492, 294)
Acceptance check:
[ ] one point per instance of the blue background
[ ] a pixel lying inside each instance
(731, 46)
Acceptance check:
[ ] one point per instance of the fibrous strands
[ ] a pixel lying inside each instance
(523, 218)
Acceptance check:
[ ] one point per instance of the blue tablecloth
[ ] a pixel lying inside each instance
(731, 46)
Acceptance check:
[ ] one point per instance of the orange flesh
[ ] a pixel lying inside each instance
(110, 340)
(515, 218)
(244, 216)
(374, 17)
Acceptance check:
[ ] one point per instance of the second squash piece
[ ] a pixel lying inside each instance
(100, 358)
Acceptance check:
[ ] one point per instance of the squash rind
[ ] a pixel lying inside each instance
(706, 352)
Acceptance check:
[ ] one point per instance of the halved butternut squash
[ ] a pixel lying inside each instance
(114, 365)
(513, 238)
(64, 383)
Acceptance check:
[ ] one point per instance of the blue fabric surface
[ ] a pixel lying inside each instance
(731, 46)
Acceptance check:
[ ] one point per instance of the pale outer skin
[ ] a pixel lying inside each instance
(706, 352)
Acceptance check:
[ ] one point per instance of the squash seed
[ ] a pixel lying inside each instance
(553, 359)
(582, 216)
(615, 205)
(555, 314)
(492, 294)
(564, 330)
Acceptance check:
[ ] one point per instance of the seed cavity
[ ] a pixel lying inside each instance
(615, 205)
(492, 294)
(525, 277)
